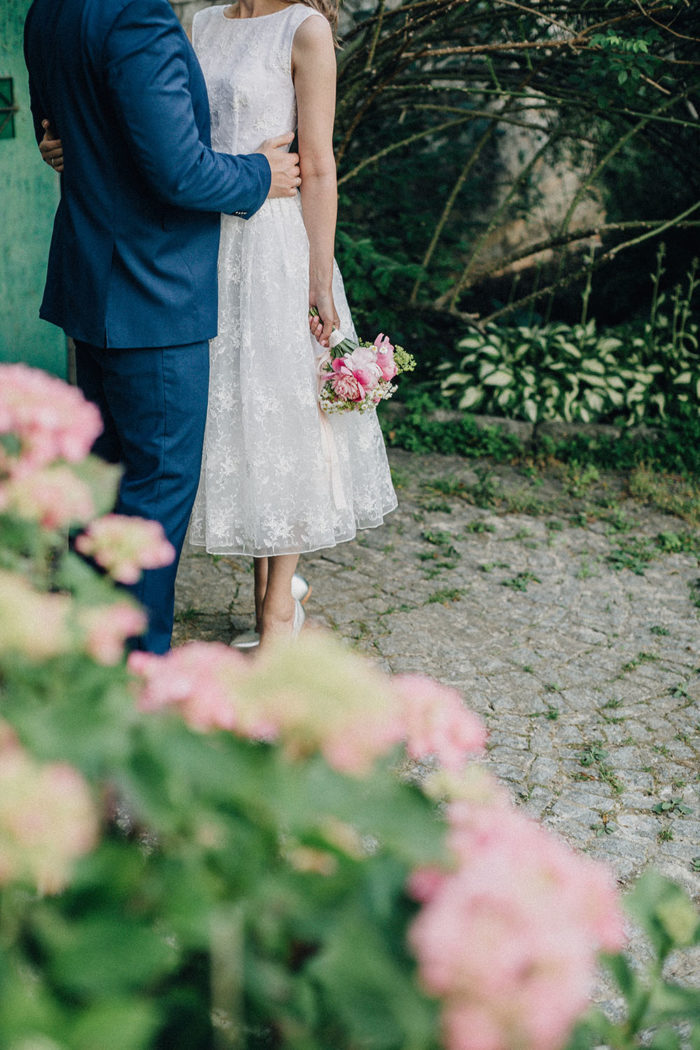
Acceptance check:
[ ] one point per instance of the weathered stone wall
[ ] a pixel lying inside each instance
(186, 9)
(29, 198)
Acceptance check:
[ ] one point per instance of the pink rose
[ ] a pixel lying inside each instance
(385, 357)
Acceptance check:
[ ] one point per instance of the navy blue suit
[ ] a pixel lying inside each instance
(132, 265)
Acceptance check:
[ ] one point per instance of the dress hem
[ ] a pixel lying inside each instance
(248, 553)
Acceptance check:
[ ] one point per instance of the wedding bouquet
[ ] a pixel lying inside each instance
(359, 375)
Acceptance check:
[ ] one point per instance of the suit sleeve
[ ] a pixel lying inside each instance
(38, 110)
(148, 80)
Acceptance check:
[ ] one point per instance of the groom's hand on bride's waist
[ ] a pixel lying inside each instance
(284, 166)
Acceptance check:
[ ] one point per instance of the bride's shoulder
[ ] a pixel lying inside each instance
(206, 13)
(311, 33)
(202, 19)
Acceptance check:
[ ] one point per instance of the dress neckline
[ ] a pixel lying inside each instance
(257, 18)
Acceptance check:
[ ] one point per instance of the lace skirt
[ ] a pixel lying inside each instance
(278, 475)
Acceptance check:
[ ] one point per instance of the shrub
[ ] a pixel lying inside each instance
(204, 851)
(573, 373)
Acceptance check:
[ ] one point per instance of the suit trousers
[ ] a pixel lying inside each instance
(153, 402)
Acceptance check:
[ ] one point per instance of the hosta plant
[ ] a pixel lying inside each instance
(201, 851)
(573, 373)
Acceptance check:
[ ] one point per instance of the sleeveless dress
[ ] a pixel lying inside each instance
(278, 475)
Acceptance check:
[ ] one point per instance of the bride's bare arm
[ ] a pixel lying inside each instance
(314, 71)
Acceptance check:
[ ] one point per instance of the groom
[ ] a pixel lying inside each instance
(133, 259)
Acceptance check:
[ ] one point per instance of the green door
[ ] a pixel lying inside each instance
(28, 198)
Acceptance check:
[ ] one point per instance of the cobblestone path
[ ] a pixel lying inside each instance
(568, 616)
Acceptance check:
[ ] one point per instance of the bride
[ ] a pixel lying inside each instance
(279, 477)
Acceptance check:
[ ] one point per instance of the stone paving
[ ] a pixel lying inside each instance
(566, 613)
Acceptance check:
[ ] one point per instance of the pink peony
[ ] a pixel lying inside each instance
(50, 419)
(346, 387)
(508, 939)
(124, 546)
(107, 627)
(437, 723)
(32, 623)
(385, 357)
(47, 818)
(362, 362)
(52, 496)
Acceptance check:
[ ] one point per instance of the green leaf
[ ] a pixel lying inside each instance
(665, 912)
(665, 1039)
(105, 956)
(499, 377)
(373, 989)
(454, 379)
(530, 410)
(102, 479)
(671, 1002)
(125, 1024)
(471, 397)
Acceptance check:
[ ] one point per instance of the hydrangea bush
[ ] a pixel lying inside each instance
(200, 851)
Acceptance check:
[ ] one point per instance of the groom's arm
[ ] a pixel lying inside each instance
(148, 80)
(37, 105)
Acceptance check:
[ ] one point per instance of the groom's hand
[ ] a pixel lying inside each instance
(286, 178)
(51, 148)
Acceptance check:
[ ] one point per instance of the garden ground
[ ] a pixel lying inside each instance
(566, 612)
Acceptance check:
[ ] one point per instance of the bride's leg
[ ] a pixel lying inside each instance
(278, 605)
(260, 569)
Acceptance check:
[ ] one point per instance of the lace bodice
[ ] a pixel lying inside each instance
(247, 64)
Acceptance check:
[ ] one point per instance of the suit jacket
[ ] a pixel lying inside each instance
(133, 255)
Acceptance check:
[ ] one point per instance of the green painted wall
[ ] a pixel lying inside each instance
(28, 199)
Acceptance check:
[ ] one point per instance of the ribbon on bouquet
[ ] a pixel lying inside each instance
(328, 442)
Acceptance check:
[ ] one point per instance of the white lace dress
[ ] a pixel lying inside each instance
(278, 475)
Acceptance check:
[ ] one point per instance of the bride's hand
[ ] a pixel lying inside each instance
(322, 325)
(51, 148)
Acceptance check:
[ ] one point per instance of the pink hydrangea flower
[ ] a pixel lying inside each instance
(202, 681)
(508, 938)
(107, 627)
(437, 723)
(32, 623)
(385, 357)
(328, 700)
(124, 546)
(47, 818)
(51, 419)
(313, 697)
(52, 496)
